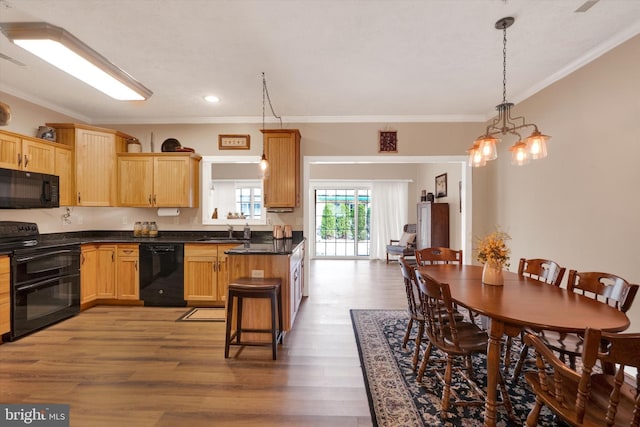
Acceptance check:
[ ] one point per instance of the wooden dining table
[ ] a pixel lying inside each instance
(520, 302)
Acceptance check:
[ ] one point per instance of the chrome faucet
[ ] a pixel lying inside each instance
(230, 231)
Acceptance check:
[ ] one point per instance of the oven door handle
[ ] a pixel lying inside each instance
(41, 284)
(21, 259)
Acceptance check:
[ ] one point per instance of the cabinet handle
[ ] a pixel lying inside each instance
(154, 200)
(215, 267)
(20, 159)
(26, 160)
(136, 265)
(113, 256)
(150, 200)
(78, 197)
(127, 251)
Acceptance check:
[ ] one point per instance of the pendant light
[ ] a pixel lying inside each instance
(484, 147)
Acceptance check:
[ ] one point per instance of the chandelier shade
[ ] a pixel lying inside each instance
(484, 148)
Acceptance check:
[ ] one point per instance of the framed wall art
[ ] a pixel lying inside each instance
(441, 186)
(234, 142)
(387, 141)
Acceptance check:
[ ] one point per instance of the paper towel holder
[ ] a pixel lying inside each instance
(168, 211)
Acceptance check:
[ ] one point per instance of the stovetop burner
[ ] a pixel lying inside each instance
(17, 234)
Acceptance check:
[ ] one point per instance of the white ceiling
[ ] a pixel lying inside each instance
(325, 60)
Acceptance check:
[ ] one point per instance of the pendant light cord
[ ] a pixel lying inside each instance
(265, 97)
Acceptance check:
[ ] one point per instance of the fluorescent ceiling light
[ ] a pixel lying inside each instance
(212, 99)
(64, 51)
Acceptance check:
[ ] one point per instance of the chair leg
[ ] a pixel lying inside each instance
(407, 334)
(425, 360)
(387, 257)
(274, 333)
(446, 392)
(228, 326)
(521, 359)
(418, 341)
(506, 360)
(534, 414)
(506, 400)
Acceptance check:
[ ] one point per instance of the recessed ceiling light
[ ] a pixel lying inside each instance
(212, 99)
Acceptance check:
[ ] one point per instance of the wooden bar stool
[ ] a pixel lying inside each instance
(254, 288)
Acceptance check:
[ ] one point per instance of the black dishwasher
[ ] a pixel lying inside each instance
(162, 275)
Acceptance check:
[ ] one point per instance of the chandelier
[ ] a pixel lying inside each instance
(484, 147)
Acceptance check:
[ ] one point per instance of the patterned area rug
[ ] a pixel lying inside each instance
(205, 314)
(395, 396)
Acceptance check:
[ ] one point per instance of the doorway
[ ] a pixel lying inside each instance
(342, 222)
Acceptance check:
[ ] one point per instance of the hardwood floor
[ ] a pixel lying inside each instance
(137, 366)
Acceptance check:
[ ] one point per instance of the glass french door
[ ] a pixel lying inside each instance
(342, 219)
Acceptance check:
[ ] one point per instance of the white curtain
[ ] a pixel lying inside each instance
(388, 215)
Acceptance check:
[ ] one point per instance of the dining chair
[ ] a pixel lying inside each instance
(542, 270)
(414, 309)
(414, 305)
(426, 256)
(438, 255)
(588, 398)
(455, 339)
(604, 287)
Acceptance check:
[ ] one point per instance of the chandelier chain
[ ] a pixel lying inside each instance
(504, 63)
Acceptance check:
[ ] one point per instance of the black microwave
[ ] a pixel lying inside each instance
(27, 190)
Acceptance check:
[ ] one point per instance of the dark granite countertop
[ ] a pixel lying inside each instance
(275, 247)
(261, 242)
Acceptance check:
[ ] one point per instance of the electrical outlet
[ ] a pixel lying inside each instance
(257, 274)
(125, 220)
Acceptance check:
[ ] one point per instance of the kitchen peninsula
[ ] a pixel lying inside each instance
(282, 259)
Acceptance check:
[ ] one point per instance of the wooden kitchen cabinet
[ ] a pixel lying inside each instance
(206, 272)
(25, 153)
(64, 167)
(88, 274)
(106, 271)
(282, 184)
(5, 299)
(127, 273)
(95, 161)
(158, 180)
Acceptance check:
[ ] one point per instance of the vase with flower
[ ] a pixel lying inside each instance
(493, 253)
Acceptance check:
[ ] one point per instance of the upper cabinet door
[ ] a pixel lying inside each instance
(171, 181)
(10, 151)
(282, 184)
(95, 168)
(38, 157)
(135, 180)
